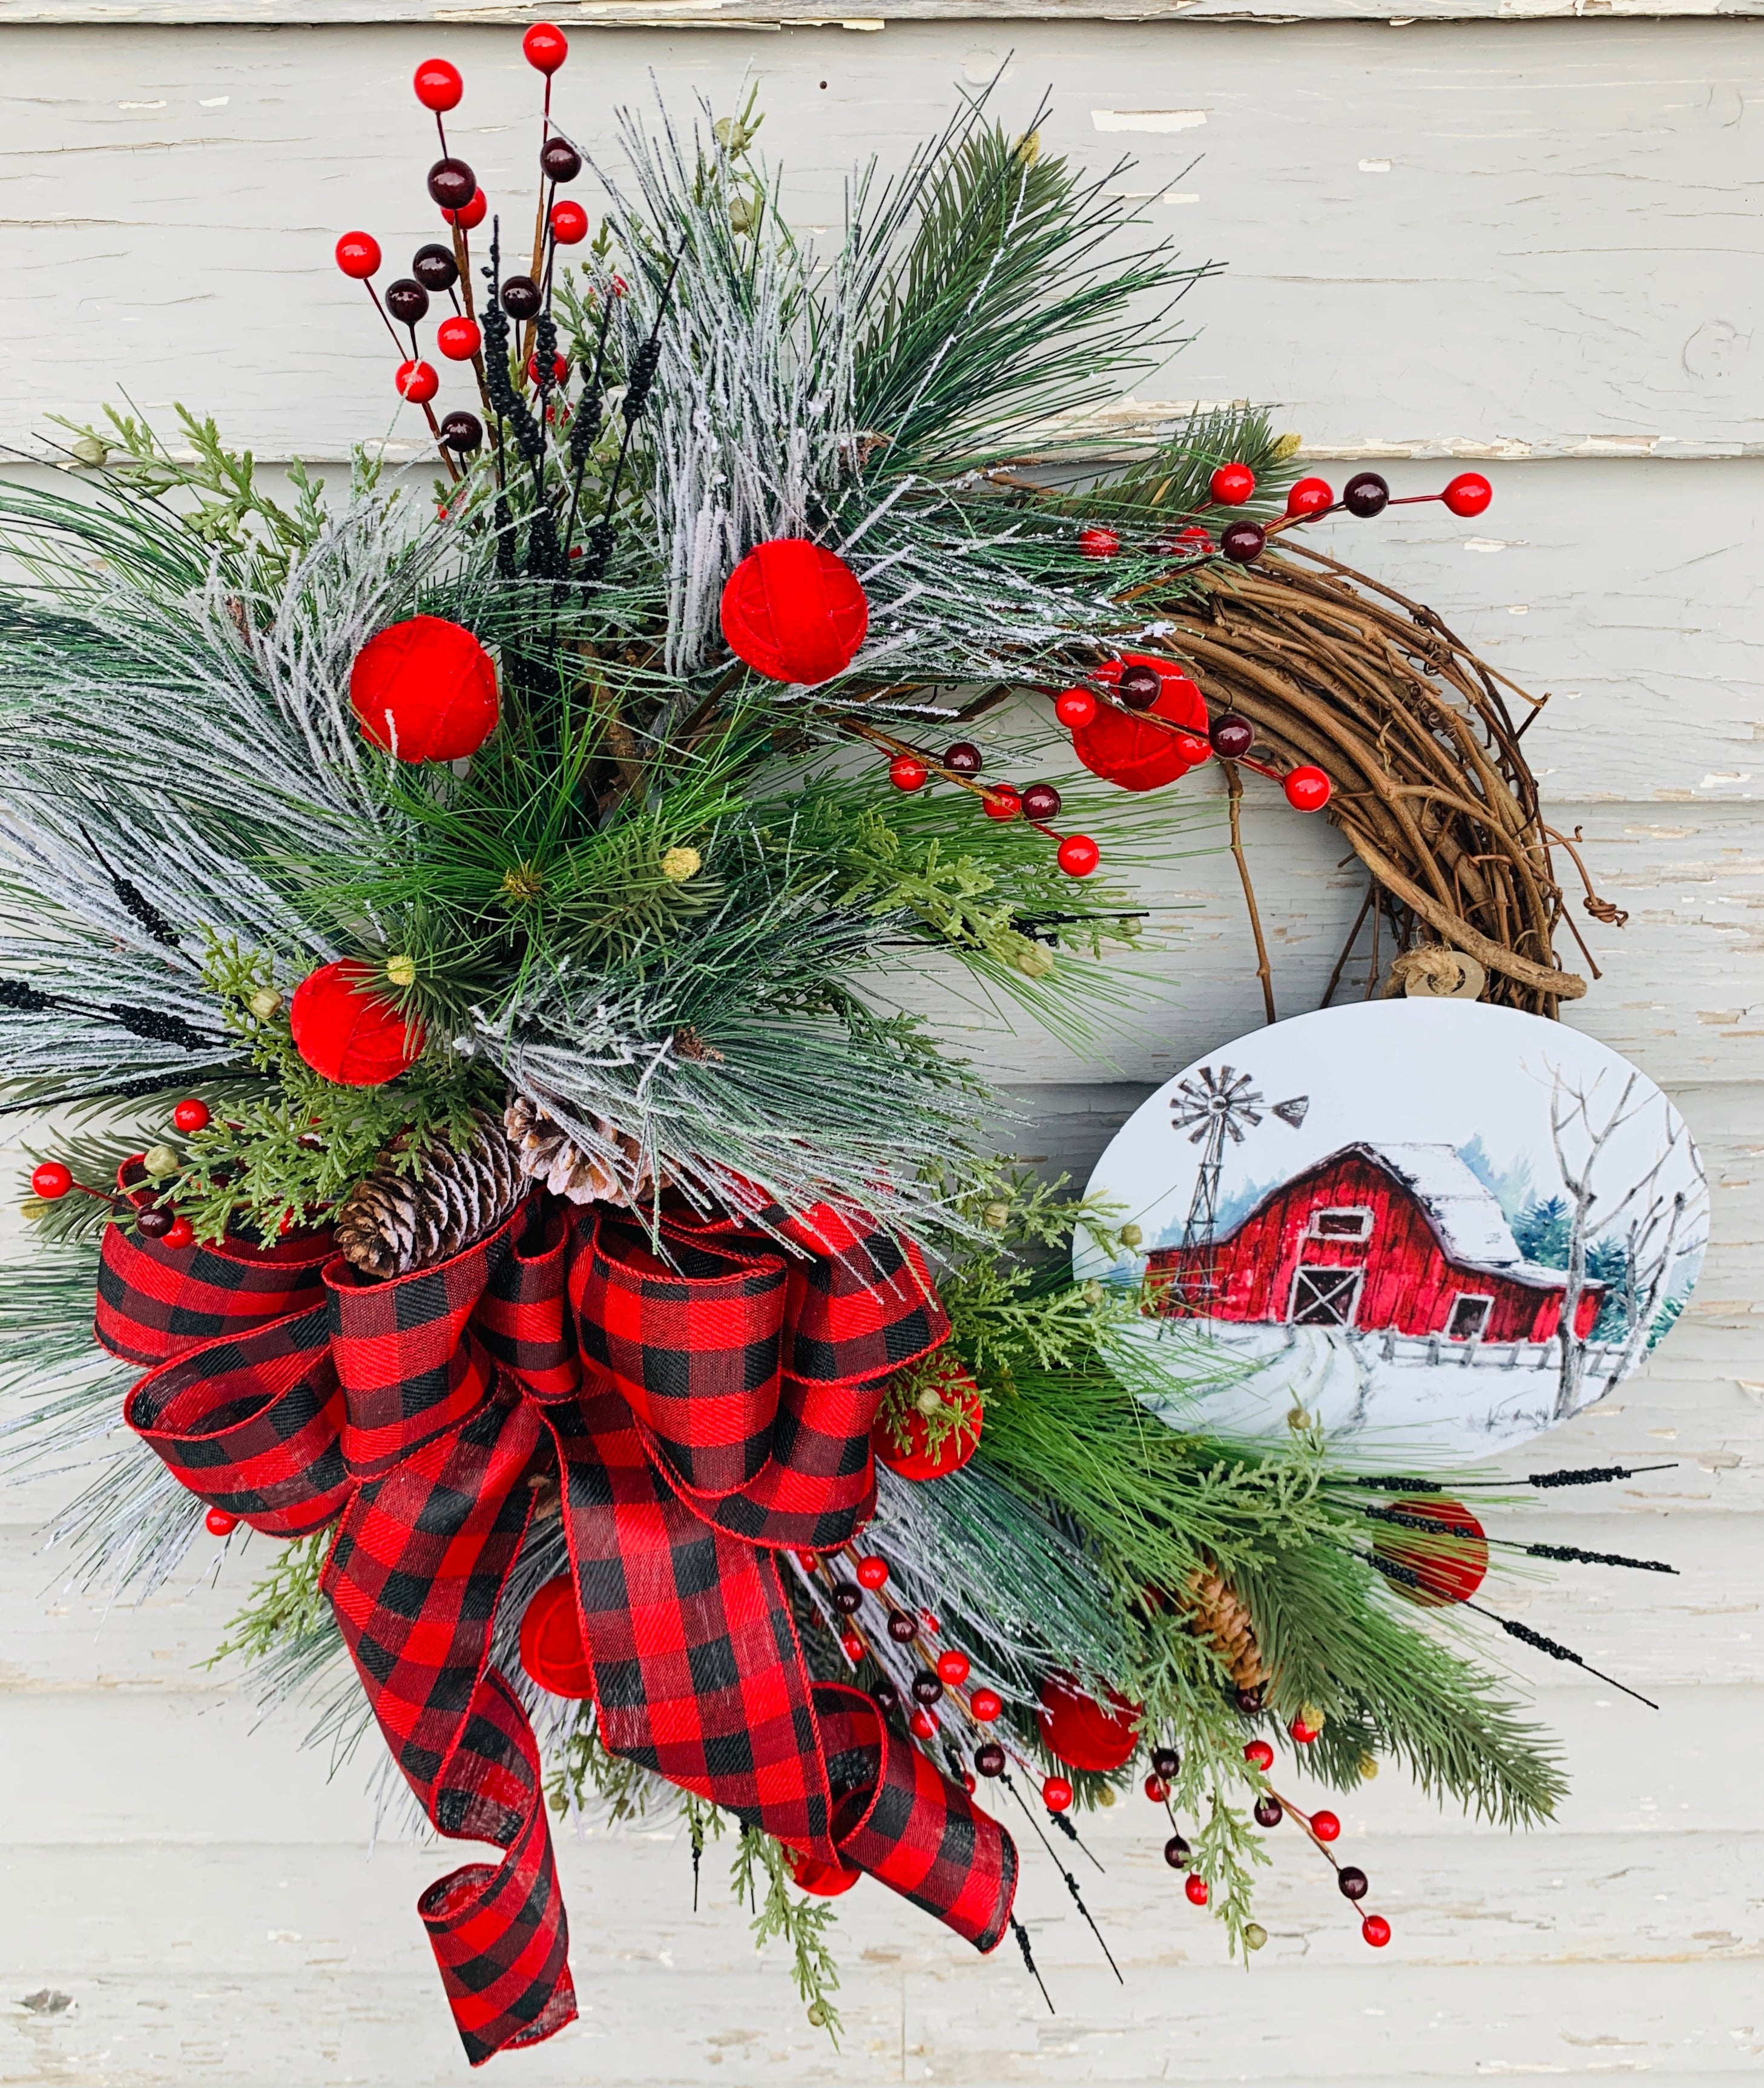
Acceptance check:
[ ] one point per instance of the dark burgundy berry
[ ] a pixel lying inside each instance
(901, 1628)
(1140, 687)
(964, 758)
(1041, 801)
(1177, 1853)
(1353, 1881)
(989, 1758)
(560, 160)
(1164, 1762)
(407, 301)
(1365, 495)
(435, 267)
(1249, 1701)
(521, 297)
(926, 1688)
(886, 1695)
(452, 184)
(155, 1220)
(1233, 737)
(848, 1597)
(1243, 543)
(1269, 1812)
(463, 431)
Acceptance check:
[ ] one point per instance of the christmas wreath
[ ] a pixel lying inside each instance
(447, 962)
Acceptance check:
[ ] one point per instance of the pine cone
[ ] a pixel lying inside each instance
(1218, 1616)
(398, 1219)
(546, 1152)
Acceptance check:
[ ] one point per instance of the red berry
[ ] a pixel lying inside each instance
(1098, 543)
(1303, 1733)
(182, 1234)
(905, 773)
(1075, 709)
(1002, 802)
(569, 224)
(471, 215)
(438, 85)
(1325, 1826)
(192, 1114)
(416, 382)
(51, 1180)
(1056, 1793)
(1078, 855)
(1468, 493)
(1308, 789)
(985, 1705)
(458, 339)
(924, 1726)
(1193, 748)
(852, 1647)
(809, 1561)
(968, 1782)
(1041, 801)
(1233, 484)
(1195, 538)
(1195, 1886)
(560, 370)
(1375, 1930)
(1259, 1754)
(953, 1667)
(963, 757)
(1232, 736)
(358, 255)
(545, 48)
(1309, 496)
(873, 1572)
(1157, 1790)
(219, 1523)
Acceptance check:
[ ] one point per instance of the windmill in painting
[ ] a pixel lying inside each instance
(1211, 1105)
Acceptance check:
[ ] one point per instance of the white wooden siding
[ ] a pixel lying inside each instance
(1474, 234)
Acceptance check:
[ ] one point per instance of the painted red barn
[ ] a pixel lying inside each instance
(1378, 1237)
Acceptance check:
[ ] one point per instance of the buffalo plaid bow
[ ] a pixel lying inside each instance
(704, 1408)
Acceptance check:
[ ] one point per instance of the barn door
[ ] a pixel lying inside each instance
(1324, 1297)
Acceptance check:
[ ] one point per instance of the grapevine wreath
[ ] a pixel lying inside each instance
(446, 974)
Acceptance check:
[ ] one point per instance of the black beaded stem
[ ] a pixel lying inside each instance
(27, 1000)
(161, 1028)
(585, 430)
(1021, 1934)
(1071, 1882)
(641, 376)
(134, 900)
(1063, 1821)
(1592, 1475)
(1568, 1553)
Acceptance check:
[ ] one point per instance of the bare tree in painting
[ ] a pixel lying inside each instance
(1657, 1240)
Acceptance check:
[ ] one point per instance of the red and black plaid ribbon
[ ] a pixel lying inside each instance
(706, 1407)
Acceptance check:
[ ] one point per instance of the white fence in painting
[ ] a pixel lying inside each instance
(1600, 1357)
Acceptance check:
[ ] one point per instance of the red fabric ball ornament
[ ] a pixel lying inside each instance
(1233, 484)
(425, 690)
(1325, 1826)
(459, 339)
(358, 255)
(873, 1572)
(1056, 1793)
(51, 1180)
(1449, 1567)
(1195, 1886)
(1468, 493)
(552, 1647)
(569, 224)
(1309, 496)
(952, 1668)
(794, 612)
(180, 1234)
(1129, 753)
(1098, 543)
(545, 47)
(904, 773)
(824, 1880)
(918, 1460)
(416, 382)
(1375, 1930)
(345, 1032)
(1083, 1733)
(1259, 1754)
(1002, 801)
(218, 1523)
(471, 215)
(438, 85)
(1308, 789)
(192, 1114)
(1074, 708)
(1078, 855)
(985, 1705)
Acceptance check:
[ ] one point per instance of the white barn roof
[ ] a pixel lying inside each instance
(1471, 1225)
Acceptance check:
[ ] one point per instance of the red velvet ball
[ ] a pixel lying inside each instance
(1134, 755)
(438, 85)
(904, 773)
(1078, 855)
(1074, 708)
(358, 255)
(459, 339)
(1098, 543)
(345, 1032)
(218, 1523)
(1307, 788)
(416, 382)
(425, 690)
(470, 215)
(1310, 496)
(552, 1647)
(1468, 495)
(569, 224)
(1233, 484)
(192, 1114)
(1448, 1568)
(51, 1180)
(918, 1460)
(824, 1880)
(794, 612)
(545, 47)
(1083, 1733)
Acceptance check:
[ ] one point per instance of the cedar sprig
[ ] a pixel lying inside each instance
(800, 1922)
